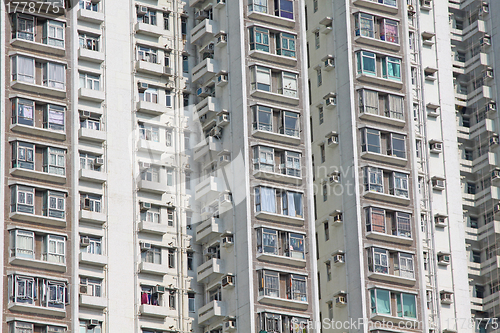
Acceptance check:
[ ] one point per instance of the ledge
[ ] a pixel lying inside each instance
(52, 221)
(92, 176)
(93, 302)
(36, 46)
(392, 278)
(34, 309)
(288, 303)
(389, 238)
(280, 218)
(38, 175)
(39, 89)
(281, 259)
(275, 97)
(93, 259)
(41, 264)
(32, 130)
(153, 228)
(294, 140)
(386, 197)
(88, 216)
(268, 18)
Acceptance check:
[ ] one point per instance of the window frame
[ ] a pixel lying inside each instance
(28, 204)
(16, 250)
(259, 39)
(54, 39)
(396, 68)
(362, 67)
(374, 179)
(286, 45)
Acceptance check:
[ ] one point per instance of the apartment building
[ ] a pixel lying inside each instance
(155, 167)
(389, 229)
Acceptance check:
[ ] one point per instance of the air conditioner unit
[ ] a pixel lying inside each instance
(222, 78)
(221, 2)
(227, 240)
(203, 118)
(329, 63)
(93, 322)
(438, 183)
(485, 40)
(331, 101)
(426, 3)
(228, 280)
(86, 204)
(143, 85)
(83, 289)
(496, 208)
(224, 159)
(436, 147)
(145, 246)
(199, 92)
(485, 8)
(159, 289)
(85, 241)
(144, 165)
(341, 300)
(85, 114)
(443, 259)
(491, 107)
(99, 161)
(495, 174)
(145, 205)
(332, 140)
(230, 323)
(222, 39)
(334, 179)
(488, 74)
(446, 297)
(142, 10)
(223, 119)
(209, 251)
(338, 259)
(494, 141)
(440, 220)
(337, 218)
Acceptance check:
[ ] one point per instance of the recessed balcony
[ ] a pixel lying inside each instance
(155, 109)
(45, 220)
(153, 228)
(211, 311)
(39, 175)
(282, 260)
(93, 259)
(91, 95)
(284, 302)
(152, 187)
(210, 268)
(92, 176)
(90, 55)
(209, 188)
(41, 264)
(148, 29)
(91, 135)
(203, 29)
(38, 89)
(38, 131)
(208, 229)
(38, 310)
(90, 16)
(156, 311)
(92, 217)
(299, 221)
(153, 269)
(275, 97)
(152, 68)
(93, 302)
(205, 70)
(37, 46)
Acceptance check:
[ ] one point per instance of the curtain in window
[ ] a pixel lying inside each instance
(24, 244)
(409, 306)
(55, 76)
(270, 242)
(290, 85)
(25, 114)
(285, 9)
(56, 117)
(268, 199)
(25, 69)
(370, 101)
(383, 301)
(395, 107)
(377, 219)
(366, 25)
(390, 31)
(297, 246)
(393, 68)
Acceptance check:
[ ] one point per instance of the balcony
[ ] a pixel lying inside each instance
(152, 68)
(90, 16)
(209, 269)
(37, 46)
(205, 70)
(209, 188)
(387, 197)
(92, 176)
(90, 55)
(275, 97)
(211, 144)
(93, 259)
(148, 29)
(39, 131)
(39, 175)
(203, 29)
(269, 18)
(284, 302)
(153, 228)
(41, 264)
(373, 4)
(151, 146)
(391, 278)
(208, 229)
(91, 95)
(93, 302)
(44, 220)
(382, 119)
(154, 269)
(271, 57)
(384, 158)
(210, 312)
(281, 260)
(91, 135)
(38, 89)
(389, 238)
(39, 310)
(208, 104)
(154, 109)
(156, 311)
(298, 221)
(92, 217)
(152, 187)
(380, 81)
(268, 135)
(277, 177)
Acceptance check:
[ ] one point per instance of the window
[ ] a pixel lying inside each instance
(269, 283)
(166, 21)
(54, 75)
(290, 124)
(391, 68)
(296, 246)
(168, 137)
(93, 286)
(23, 69)
(171, 258)
(147, 54)
(267, 241)
(93, 123)
(54, 204)
(370, 140)
(23, 112)
(399, 184)
(168, 98)
(187, 180)
(170, 177)
(328, 266)
(22, 244)
(316, 40)
(91, 202)
(22, 199)
(298, 290)
(401, 225)
(327, 231)
(366, 63)
(90, 81)
(24, 27)
(364, 25)
(395, 107)
(149, 133)
(190, 260)
(263, 118)
(259, 39)
(375, 220)
(389, 31)
(150, 297)
(191, 302)
(325, 192)
(368, 101)
(374, 179)
(53, 33)
(89, 5)
(292, 204)
(152, 255)
(23, 289)
(322, 153)
(151, 215)
(54, 247)
(397, 146)
(285, 45)
(149, 95)
(378, 260)
(170, 217)
(380, 301)
(315, 5)
(284, 8)
(55, 293)
(263, 158)
(406, 265)
(53, 117)
(54, 161)
(171, 299)
(151, 175)
(265, 199)
(261, 78)
(88, 162)
(23, 155)
(292, 166)
(258, 6)
(95, 246)
(148, 18)
(319, 77)
(185, 64)
(184, 27)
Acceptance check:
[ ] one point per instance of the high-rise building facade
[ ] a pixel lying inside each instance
(154, 169)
